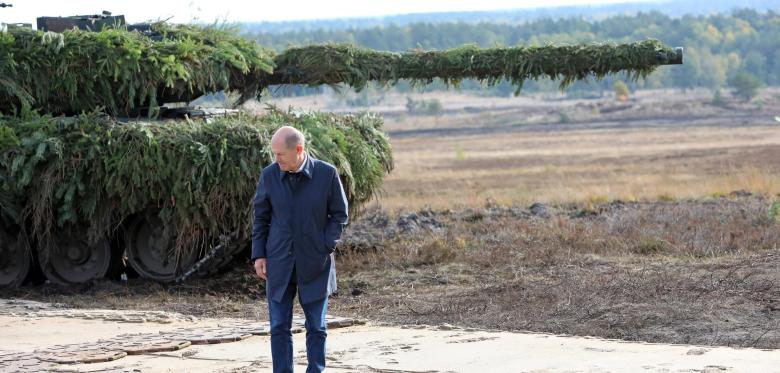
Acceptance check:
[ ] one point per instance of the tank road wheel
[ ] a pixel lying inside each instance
(150, 250)
(15, 261)
(75, 261)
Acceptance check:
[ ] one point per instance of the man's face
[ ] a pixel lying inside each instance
(287, 158)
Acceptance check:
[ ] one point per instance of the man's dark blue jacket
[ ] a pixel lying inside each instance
(298, 223)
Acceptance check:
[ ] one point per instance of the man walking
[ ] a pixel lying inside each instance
(300, 211)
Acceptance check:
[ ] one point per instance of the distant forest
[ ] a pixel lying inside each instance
(717, 47)
(591, 12)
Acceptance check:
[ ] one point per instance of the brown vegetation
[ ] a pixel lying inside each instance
(701, 272)
(694, 271)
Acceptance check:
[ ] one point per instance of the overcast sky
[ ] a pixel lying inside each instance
(182, 11)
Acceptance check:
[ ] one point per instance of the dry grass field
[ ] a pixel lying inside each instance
(660, 145)
(581, 165)
(626, 159)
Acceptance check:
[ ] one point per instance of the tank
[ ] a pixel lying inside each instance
(105, 170)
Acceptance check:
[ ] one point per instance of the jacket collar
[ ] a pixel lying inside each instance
(308, 168)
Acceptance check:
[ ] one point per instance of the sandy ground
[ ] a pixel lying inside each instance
(372, 347)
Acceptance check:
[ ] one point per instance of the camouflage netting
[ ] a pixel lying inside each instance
(92, 172)
(129, 72)
(78, 71)
(332, 64)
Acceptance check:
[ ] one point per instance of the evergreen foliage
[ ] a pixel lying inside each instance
(92, 172)
(125, 71)
(78, 71)
(745, 85)
(341, 63)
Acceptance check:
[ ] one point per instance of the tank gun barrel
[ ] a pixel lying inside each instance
(338, 63)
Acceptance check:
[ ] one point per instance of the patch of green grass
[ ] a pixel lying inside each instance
(460, 154)
(774, 211)
(718, 194)
(650, 246)
(599, 199)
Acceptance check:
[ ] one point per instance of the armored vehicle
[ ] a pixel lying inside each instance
(94, 183)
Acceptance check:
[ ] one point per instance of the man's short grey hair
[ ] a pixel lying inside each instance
(293, 137)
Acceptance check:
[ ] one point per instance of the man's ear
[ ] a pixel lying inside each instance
(298, 148)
